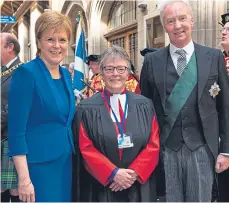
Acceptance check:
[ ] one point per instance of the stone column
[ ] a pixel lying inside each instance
(34, 14)
(141, 31)
(23, 34)
(206, 17)
(94, 33)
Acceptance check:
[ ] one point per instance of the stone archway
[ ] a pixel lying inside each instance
(99, 16)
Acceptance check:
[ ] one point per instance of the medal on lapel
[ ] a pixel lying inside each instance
(214, 91)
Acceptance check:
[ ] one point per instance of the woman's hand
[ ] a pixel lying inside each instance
(123, 179)
(134, 175)
(115, 187)
(25, 186)
(26, 192)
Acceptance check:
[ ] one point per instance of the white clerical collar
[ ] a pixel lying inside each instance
(8, 64)
(114, 99)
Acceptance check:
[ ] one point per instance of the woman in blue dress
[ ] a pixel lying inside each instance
(41, 109)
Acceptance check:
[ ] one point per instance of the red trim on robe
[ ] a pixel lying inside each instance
(145, 163)
(99, 166)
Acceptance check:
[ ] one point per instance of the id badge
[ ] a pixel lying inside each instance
(125, 141)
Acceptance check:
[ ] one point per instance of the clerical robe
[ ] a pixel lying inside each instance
(96, 138)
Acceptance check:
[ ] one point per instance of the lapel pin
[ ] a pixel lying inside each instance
(214, 91)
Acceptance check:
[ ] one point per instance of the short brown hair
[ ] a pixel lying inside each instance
(52, 20)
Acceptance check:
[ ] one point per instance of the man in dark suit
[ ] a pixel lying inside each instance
(225, 38)
(10, 49)
(189, 87)
(224, 176)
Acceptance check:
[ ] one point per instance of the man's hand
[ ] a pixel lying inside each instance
(222, 163)
(123, 179)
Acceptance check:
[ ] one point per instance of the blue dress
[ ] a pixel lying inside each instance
(39, 126)
(56, 175)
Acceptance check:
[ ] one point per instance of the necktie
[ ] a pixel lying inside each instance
(181, 61)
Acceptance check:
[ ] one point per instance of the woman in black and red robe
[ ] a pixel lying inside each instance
(116, 132)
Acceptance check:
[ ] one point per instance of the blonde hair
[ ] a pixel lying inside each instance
(52, 20)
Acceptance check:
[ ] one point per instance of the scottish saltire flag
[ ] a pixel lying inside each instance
(80, 67)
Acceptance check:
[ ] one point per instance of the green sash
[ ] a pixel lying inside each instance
(179, 95)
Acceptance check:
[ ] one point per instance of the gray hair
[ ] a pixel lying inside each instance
(114, 52)
(171, 2)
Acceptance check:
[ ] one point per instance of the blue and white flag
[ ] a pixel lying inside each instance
(80, 67)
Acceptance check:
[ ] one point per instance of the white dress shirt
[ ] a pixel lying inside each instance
(189, 49)
(8, 64)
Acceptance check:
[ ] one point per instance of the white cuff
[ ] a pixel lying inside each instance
(225, 154)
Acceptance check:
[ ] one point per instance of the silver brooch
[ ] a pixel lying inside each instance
(214, 91)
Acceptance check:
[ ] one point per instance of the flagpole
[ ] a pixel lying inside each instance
(80, 66)
(86, 75)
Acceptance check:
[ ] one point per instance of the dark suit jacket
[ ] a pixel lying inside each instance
(5, 81)
(214, 112)
(37, 125)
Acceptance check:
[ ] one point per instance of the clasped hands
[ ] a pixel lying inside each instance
(123, 179)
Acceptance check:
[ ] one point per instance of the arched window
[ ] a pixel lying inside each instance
(122, 27)
(121, 13)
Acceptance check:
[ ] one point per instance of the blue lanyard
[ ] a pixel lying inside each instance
(120, 127)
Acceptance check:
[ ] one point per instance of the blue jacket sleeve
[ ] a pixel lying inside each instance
(20, 96)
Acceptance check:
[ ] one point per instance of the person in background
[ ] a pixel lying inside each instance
(41, 109)
(225, 38)
(132, 84)
(10, 48)
(189, 87)
(93, 63)
(71, 69)
(145, 51)
(223, 178)
(95, 81)
(117, 133)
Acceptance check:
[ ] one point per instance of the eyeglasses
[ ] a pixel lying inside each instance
(225, 29)
(110, 69)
